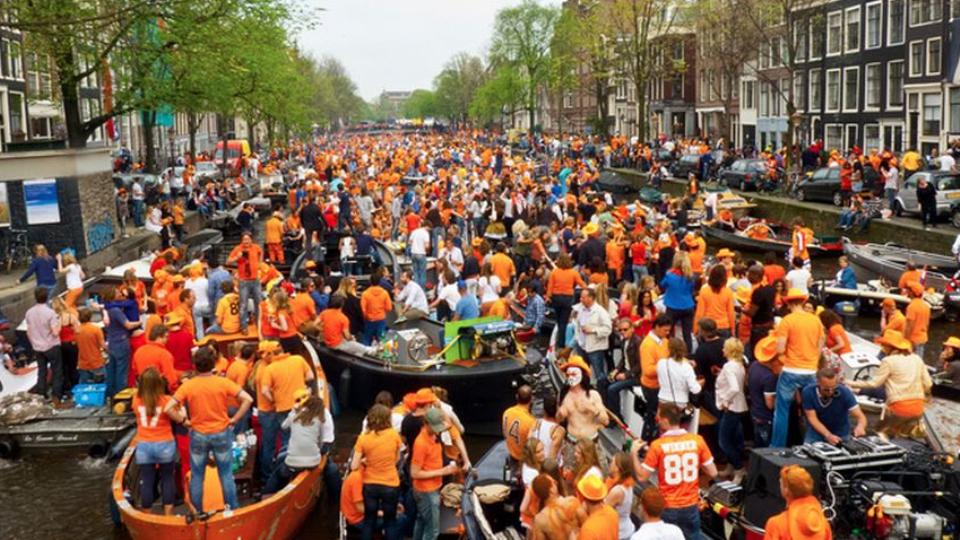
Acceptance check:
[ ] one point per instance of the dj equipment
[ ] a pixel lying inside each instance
(762, 498)
(856, 453)
(495, 327)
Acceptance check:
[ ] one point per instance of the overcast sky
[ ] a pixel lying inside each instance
(401, 44)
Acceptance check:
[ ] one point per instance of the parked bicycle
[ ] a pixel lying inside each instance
(16, 251)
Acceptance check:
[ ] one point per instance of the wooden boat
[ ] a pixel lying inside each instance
(278, 516)
(91, 430)
(479, 390)
(889, 261)
(777, 239)
(870, 295)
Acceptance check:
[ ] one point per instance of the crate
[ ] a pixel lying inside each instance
(90, 395)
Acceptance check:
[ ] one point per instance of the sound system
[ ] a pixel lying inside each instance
(762, 499)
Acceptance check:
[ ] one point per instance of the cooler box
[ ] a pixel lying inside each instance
(90, 395)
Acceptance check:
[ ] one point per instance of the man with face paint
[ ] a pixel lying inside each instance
(581, 407)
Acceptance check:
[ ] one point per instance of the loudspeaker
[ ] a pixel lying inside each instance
(762, 498)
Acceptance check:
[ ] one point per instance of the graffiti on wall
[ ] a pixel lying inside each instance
(99, 235)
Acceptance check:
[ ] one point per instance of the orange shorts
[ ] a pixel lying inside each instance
(907, 408)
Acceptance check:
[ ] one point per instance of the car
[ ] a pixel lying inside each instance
(206, 170)
(745, 174)
(687, 164)
(822, 185)
(948, 192)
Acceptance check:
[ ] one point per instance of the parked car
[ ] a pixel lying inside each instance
(822, 185)
(745, 174)
(206, 170)
(687, 164)
(948, 192)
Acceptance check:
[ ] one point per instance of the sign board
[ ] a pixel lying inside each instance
(4, 206)
(40, 198)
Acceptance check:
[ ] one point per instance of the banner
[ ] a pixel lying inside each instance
(40, 198)
(4, 206)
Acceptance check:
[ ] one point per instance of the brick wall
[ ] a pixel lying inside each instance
(98, 209)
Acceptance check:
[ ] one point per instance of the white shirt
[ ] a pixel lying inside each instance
(450, 294)
(413, 297)
(893, 179)
(137, 190)
(798, 278)
(947, 163)
(731, 386)
(199, 288)
(74, 276)
(658, 530)
(677, 381)
(489, 289)
(419, 240)
(348, 248)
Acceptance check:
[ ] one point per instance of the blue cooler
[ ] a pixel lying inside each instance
(90, 395)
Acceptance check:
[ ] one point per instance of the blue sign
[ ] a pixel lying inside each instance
(40, 198)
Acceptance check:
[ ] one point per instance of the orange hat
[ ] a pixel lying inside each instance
(174, 318)
(724, 253)
(795, 294)
(895, 339)
(301, 396)
(766, 349)
(310, 264)
(591, 229)
(410, 401)
(196, 270)
(425, 396)
(690, 239)
(916, 288)
(592, 488)
(952, 342)
(577, 362)
(888, 303)
(160, 275)
(477, 241)
(268, 346)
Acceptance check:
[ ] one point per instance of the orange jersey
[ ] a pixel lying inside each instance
(677, 457)
(517, 422)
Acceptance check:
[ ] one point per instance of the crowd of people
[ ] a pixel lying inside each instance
(719, 346)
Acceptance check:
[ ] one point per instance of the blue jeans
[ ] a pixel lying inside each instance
(138, 212)
(373, 329)
(891, 195)
(419, 269)
(427, 526)
(221, 444)
(91, 376)
(198, 315)
(731, 437)
(270, 426)
(377, 497)
(598, 363)
(155, 452)
(117, 367)
(687, 518)
(249, 289)
(787, 387)
(639, 271)
(846, 218)
(436, 234)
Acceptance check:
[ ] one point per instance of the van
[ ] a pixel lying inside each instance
(236, 150)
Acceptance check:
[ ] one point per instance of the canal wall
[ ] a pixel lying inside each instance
(822, 218)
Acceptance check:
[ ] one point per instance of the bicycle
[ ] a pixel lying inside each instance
(16, 252)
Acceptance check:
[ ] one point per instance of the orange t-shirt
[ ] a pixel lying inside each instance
(517, 422)
(207, 398)
(896, 322)
(562, 281)
(304, 309)
(228, 313)
(428, 456)
(284, 377)
(652, 350)
(187, 314)
(803, 332)
(375, 303)
(152, 426)
(602, 524)
(773, 273)
(918, 312)
(153, 355)
(380, 449)
(239, 371)
(502, 266)
(837, 335)
(907, 277)
(351, 493)
(262, 403)
(334, 322)
(615, 256)
(291, 330)
(717, 306)
(677, 457)
(273, 231)
(247, 267)
(498, 308)
(89, 346)
(778, 526)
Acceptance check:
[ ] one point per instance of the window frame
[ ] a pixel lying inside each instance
(878, 5)
(923, 55)
(939, 117)
(954, 118)
(826, 94)
(814, 105)
(926, 56)
(903, 23)
(847, 143)
(847, 19)
(888, 90)
(856, 93)
(800, 91)
(879, 137)
(839, 14)
(867, 107)
(826, 130)
(815, 37)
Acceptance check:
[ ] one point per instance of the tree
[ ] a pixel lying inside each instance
(521, 42)
(456, 86)
(564, 60)
(502, 93)
(421, 104)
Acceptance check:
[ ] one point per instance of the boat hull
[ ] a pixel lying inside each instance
(93, 431)
(277, 517)
(777, 246)
(889, 262)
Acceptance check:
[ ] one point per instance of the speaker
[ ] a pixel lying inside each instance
(762, 498)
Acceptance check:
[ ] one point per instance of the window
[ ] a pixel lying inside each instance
(851, 89)
(4, 58)
(833, 135)
(933, 56)
(703, 85)
(834, 33)
(851, 136)
(874, 25)
(931, 115)
(40, 128)
(871, 81)
(871, 137)
(800, 38)
(925, 11)
(568, 100)
(816, 82)
(784, 95)
(765, 57)
(621, 89)
(895, 84)
(816, 42)
(16, 61)
(38, 77)
(954, 9)
(764, 99)
(774, 99)
(17, 113)
(955, 110)
(916, 58)
(749, 87)
(852, 24)
(833, 90)
(896, 22)
(799, 94)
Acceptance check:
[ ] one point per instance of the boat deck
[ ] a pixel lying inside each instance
(69, 427)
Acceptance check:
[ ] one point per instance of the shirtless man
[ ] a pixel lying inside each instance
(581, 408)
(559, 516)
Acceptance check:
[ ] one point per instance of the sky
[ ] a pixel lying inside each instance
(401, 44)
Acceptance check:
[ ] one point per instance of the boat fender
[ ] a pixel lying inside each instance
(9, 449)
(98, 449)
(344, 386)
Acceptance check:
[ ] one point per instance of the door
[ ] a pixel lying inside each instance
(914, 129)
(909, 193)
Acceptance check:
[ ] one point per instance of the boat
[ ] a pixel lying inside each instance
(889, 261)
(480, 387)
(775, 238)
(327, 257)
(489, 520)
(867, 297)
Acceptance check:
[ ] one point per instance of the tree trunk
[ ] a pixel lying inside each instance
(270, 133)
(69, 96)
(250, 132)
(222, 126)
(192, 126)
(147, 120)
(532, 104)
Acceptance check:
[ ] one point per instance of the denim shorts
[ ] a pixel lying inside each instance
(156, 452)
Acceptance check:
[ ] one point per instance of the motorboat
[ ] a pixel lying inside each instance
(759, 236)
(867, 297)
(326, 256)
(889, 261)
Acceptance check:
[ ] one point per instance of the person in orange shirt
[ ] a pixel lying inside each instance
(280, 318)
(336, 329)
(90, 349)
(375, 303)
(282, 379)
(677, 458)
(185, 310)
(239, 372)
(800, 336)
(909, 274)
(178, 218)
(155, 355)
(602, 522)
(502, 265)
(427, 471)
(800, 240)
(247, 256)
(891, 318)
(302, 306)
(772, 271)
(516, 424)
(377, 451)
(696, 251)
(837, 339)
(616, 257)
(803, 519)
(653, 348)
(211, 428)
(917, 318)
(351, 501)
(560, 288)
(715, 301)
(227, 313)
(156, 448)
(273, 238)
